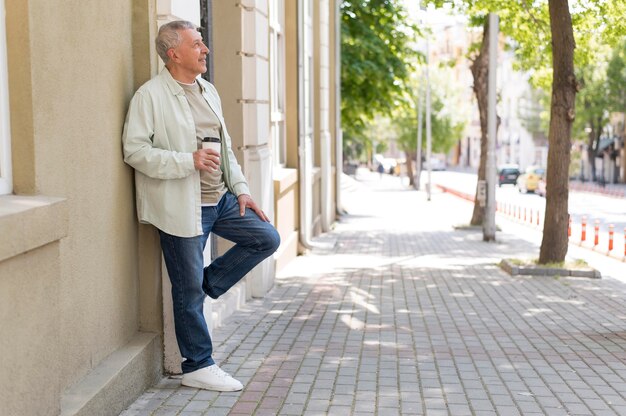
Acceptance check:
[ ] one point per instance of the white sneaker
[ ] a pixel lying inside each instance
(211, 378)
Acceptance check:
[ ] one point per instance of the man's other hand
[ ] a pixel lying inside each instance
(246, 201)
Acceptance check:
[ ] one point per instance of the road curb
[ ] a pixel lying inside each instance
(538, 270)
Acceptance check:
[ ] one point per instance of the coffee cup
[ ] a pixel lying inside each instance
(212, 143)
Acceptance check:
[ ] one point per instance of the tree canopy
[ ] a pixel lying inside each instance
(446, 125)
(376, 60)
(558, 45)
(526, 25)
(616, 78)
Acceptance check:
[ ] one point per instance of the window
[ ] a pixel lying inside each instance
(6, 184)
(206, 20)
(277, 81)
(307, 96)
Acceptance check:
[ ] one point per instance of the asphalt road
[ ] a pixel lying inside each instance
(607, 210)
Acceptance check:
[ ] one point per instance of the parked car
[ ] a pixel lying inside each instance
(529, 180)
(508, 174)
(437, 164)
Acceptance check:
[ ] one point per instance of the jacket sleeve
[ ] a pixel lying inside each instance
(138, 146)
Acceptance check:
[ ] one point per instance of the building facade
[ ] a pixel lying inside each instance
(515, 144)
(84, 301)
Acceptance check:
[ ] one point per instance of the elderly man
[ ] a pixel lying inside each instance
(188, 190)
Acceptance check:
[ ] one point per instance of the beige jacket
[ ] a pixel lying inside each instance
(159, 138)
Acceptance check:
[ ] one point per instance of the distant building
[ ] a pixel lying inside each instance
(515, 144)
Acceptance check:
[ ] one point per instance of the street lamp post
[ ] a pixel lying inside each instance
(418, 155)
(489, 223)
(428, 126)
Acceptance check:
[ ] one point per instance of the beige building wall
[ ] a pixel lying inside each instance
(284, 172)
(241, 61)
(81, 294)
(286, 178)
(334, 92)
(323, 111)
(69, 269)
(307, 145)
(311, 120)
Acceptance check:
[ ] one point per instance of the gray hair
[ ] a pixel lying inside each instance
(168, 37)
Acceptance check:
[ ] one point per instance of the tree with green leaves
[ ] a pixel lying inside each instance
(376, 62)
(616, 85)
(544, 42)
(446, 129)
(562, 112)
(591, 110)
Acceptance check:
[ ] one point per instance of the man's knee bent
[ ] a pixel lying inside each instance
(269, 241)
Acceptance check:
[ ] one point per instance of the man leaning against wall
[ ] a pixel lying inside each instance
(189, 184)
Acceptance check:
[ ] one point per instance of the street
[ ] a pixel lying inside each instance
(608, 210)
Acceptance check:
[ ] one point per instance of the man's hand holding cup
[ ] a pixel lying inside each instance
(208, 158)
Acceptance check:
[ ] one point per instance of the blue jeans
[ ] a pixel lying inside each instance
(254, 241)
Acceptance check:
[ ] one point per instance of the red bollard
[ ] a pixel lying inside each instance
(530, 220)
(583, 233)
(596, 231)
(611, 226)
(537, 218)
(524, 214)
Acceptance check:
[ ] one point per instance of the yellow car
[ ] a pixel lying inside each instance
(529, 180)
(541, 187)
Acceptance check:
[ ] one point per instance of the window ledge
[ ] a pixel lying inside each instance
(284, 178)
(28, 222)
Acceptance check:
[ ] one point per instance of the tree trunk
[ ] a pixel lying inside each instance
(592, 146)
(480, 73)
(410, 159)
(555, 240)
(591, 155)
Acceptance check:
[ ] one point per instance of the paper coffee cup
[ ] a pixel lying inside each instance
(212, 143)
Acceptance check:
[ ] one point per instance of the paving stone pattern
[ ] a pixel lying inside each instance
(399, 314)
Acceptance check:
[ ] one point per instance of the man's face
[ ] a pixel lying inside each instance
(190, 55)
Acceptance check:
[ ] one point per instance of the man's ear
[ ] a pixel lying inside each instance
(172, 54)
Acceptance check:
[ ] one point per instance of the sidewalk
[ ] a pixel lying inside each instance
(404, 315)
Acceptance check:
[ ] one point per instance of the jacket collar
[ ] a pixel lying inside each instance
(172, 84)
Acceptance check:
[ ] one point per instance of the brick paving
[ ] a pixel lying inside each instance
(400, 314)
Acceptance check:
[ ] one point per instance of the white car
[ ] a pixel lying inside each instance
(436, 164)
